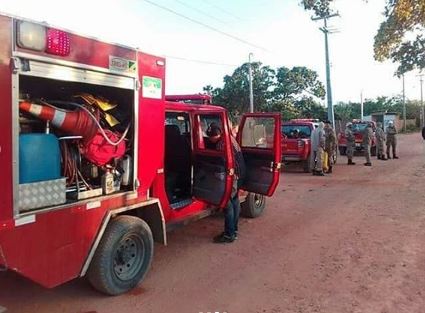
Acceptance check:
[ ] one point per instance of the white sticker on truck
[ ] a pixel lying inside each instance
(151, 87)
(122, 65)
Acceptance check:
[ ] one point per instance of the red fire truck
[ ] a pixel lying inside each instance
(97, 165)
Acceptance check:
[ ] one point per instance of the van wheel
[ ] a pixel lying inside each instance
(253, 206)
(123, 257)
(373, 151)
(307, 165)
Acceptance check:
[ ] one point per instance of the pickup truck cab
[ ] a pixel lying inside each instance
(296, 141)
(358, 128)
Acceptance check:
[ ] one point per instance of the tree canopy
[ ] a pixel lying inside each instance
(293, 92)
(400, 37)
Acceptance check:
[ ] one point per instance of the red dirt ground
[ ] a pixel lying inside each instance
(350, 242)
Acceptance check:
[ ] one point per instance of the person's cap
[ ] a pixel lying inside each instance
(213, 130)
(327, 122)
(349, 124)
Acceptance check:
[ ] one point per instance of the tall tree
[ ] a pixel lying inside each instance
(400, 37)
(294, 92)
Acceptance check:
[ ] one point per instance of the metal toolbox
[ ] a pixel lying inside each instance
(42, 194)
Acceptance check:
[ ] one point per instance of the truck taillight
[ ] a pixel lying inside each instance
(40, 38)
(31, 36)
(57, 42)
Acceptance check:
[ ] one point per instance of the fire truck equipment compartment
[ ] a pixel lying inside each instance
(39, 158)
(42, 194)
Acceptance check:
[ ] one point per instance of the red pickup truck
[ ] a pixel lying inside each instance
(296, 142)
(358, 128)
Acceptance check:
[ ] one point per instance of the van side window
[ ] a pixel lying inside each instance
(205, 121)
(258, 132)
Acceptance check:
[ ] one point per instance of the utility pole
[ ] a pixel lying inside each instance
(421, 79)
(404, 106)
(251, 91)
(326, 31)
(361, 105)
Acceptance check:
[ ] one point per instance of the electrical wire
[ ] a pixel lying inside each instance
(200, 11)
(206, 26)
(200, 61)
(223, 10)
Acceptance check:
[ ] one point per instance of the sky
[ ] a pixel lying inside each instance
(198, 38)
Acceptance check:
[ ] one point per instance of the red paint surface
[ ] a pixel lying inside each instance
(5, 119)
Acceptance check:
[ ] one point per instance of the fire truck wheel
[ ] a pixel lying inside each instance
(373, 151)
(123, 257)
(253, 206)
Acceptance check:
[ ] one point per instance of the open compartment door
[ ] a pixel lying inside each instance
(260, 139)
(213, 172)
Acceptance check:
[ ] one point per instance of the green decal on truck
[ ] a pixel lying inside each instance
(152, 87)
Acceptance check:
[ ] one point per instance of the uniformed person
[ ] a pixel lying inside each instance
(380, 141)
(391, 140)
(330, 144)
(318, 146)
(367, 142)
(351, 143)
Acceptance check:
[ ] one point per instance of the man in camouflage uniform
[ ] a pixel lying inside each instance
(351, 143)
(330, 144)
(317, 147)
(391, 140)
(380, 141)
(367, 142)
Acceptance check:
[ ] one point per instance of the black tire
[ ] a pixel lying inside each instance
(123, 257)
(253, 206)
(342, 150)
(307, 165)
(373, 151)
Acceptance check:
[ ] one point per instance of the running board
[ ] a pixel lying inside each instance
(181, 204)
(189, 219)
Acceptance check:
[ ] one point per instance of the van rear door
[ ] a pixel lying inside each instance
(259, 136)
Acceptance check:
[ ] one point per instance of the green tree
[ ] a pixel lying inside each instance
(293, 92)
(400, 37)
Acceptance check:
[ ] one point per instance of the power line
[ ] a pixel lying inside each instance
(223, 10)
(200, 11)
(207, 26)
(200, 61)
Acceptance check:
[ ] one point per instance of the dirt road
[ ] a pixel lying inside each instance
(350, 242)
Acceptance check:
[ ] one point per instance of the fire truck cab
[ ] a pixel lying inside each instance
(96, 163)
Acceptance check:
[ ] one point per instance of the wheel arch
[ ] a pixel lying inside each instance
(149, 211)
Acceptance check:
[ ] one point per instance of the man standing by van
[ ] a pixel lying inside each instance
(233, 207)
(317, 147)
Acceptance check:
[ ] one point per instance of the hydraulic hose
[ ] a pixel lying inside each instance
(94, 119)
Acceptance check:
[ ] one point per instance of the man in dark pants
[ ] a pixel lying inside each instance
(233, 207)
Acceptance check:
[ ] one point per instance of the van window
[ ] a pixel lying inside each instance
(205, 122)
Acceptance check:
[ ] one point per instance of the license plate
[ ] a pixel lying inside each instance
(358, 145)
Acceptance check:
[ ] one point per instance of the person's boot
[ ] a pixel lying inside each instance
(395, 157)
(319, 173)
(330, 170)
(350, 162)
(384, 158)
(368, 164)
(379, 157)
